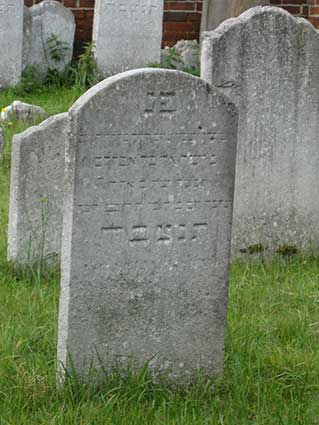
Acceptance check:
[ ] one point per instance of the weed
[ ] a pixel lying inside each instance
(172, 60)
(85, 69)
(254, 249)
(287, 250)
(57, 49)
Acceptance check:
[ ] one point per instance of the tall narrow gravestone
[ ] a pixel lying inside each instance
(11, 36)
(127, 34)
(36, 191)
(267, 62)
(147, 223)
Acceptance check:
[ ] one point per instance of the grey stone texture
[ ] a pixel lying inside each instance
(267, 62)
(127, 35)
(36, 191)
(147, 225)
(189, 53)
(11, 27)
(2, 142)
(217, 11)
(42, 21)
(21, 111)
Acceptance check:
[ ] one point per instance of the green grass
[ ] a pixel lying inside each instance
(272, 346)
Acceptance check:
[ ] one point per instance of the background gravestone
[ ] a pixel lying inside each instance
(11, 29)
(35, 218)
(217, 11)
(41, 22)
(127, 35)
(267, 62)
(147, 223)
(2, 141)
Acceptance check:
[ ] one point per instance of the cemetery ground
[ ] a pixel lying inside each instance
(272, 345)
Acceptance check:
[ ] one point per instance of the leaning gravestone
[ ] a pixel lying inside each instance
(36, 198)
(48, 25)
(11, 29)
(147, 223)
(267, 62)
(128, 34)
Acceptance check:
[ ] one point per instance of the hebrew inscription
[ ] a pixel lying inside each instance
(147, 225)
(136, 9)
(131, 176)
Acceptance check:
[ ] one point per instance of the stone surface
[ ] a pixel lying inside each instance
(35, 218)
(2, 141)
(147, 224)
(267, 62)
(42, 21)
(127, 35)
(189, 53)
(11, 30)
(21, 111)
(217, 11)
(27, 36)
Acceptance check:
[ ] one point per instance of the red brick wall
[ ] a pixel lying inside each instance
(307, 9)
(181, 20)
(181, 17)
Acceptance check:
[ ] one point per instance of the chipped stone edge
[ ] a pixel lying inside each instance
(208, 38)
(14, 204)
(52, 5)
(250, 13)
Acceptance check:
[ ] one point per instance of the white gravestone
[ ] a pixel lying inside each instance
(36, 191)
(46, 26)
(127, 34)
(11, 35)
(267, 62)
(147, 224)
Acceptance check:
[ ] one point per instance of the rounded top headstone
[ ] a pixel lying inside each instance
(147, 224)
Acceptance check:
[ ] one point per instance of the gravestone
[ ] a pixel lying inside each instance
(20, 111)
(2, 141)
(217, 11)
(267, 62)
(11, 30)
(127, 34)
(48, 26)
(147, 223)
(36, 194)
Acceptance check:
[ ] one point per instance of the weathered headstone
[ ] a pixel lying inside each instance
(267, 62)
(127, 34)
(147, 223)
(49, 30)
(11, 31)
(217, 11)
(37, 173)
(1, 143)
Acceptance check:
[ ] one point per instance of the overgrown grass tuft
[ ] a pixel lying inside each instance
(272, 357)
